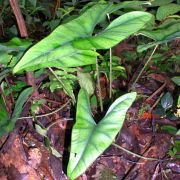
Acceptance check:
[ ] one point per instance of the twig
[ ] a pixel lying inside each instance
(110, 73)
(147, 62)
(99, 85)
(55, 102)
(31, 81)
(155, 174)
(156, 92)
(157, 101)
(134, 154)
(110, 68)
(47, 114)
(52, 124)
(164, 173)
(30, 97)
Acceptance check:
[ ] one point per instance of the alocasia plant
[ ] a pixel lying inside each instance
(89, 139)
(72, 44)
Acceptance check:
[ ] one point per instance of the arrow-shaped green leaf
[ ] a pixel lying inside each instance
(120, 29)
(89, 139)
(59, 49)
(56, 49)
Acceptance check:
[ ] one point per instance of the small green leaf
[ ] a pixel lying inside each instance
(55, 152)
(89, 140)
(171, 153)
(163, 34)
(6, 124)
(18, 86)
(50, 148)
(166, 10)
(86, 82)
(5, 58)
(94, 102)
(3, 112)
(33, 2)
(160, 35)
(144, 47)
(169, 128)
(174, 150)
(167, 101)
(178, 132)
(176, 80)
(11, 51)
(168, 22)
(15, 45)
(160, 2)
(20, 102)
(63, 80)
(40, 130)
(178, 103)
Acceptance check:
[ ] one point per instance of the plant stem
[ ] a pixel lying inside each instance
(54, 123)
(110, 73)
(110, 67)
(23, 32)
(144, 67)
(48, 114)
(156, 102)
(64, 87)
(134, 154)
(19, 17)
(99, 85)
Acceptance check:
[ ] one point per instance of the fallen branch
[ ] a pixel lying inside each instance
(47, 114)
(134, 154)
(139, 156)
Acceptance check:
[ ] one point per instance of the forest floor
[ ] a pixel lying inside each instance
(146, 134)
(23, 154)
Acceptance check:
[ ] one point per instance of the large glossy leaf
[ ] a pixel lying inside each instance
(118, 30)
(56, 50)
(89, 139)
(7, 124)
